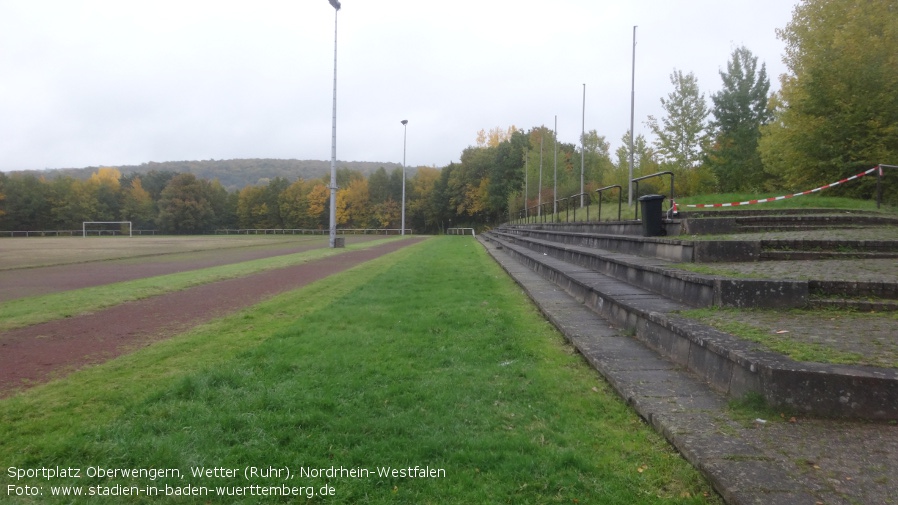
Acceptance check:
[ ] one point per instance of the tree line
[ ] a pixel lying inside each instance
(835, 115)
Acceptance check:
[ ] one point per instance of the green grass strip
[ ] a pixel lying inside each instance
(40, 309)
(429, 357)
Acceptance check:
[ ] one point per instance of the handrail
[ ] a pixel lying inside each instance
(544, 212)
(620, 192)
(566, 208)
(587, 205)
(535, 215)
(658, 174)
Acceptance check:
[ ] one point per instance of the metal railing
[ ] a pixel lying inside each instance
(659, 174)
(620, 192)
(566, 208)
(588, 202)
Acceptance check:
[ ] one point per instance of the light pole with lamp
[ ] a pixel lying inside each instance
(333, 187)
(404, 131)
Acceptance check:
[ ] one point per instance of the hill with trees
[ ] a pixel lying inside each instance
(233, 175)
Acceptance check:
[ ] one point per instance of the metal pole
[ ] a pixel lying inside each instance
(632, 111)
(555, 189)
(404, 130)
(526, 186)
(583, 145)
(333, 187)
(539, 195)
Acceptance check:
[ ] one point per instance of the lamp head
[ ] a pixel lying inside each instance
(335, 4)
(404, 122)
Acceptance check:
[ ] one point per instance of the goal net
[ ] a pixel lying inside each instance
(106, 228)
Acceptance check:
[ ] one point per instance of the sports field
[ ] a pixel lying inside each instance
(417, 372)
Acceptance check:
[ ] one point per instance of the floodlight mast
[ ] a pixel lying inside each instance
(632, 114)
(404, 130)
(333, 186)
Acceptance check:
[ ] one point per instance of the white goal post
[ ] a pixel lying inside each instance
(85, 223)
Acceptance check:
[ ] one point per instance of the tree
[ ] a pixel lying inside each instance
(597, 159)
(318, 198)
(352, 204)
(740, 110)
(379, 186)
(252, 209)
(419, 210)
(184, 205)
(28, 203)
(495, 136)
(272, 195)
(106, 188)
(294, 204)
(837, 110)
(137, 205)
(3, 180)
(681, 134)
(645, 160)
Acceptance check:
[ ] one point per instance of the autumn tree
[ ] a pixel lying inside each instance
(105, 186)
(837, 109)
(420, 215)
(319, 205)
(495, 136)
(137, 205)
(252, 208)
(353, 209)
(294, 205)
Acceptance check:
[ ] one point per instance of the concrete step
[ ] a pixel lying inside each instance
(727, 363)
(746, 464)
(823, 255)
(658, 276)
(735, 223)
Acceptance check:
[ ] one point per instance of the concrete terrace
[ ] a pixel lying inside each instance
(618, 296)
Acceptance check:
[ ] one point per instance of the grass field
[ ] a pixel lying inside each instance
(430, 357)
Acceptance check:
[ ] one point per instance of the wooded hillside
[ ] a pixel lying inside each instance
(234, 175)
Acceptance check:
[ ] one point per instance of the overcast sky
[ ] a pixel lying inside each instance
(112, 82)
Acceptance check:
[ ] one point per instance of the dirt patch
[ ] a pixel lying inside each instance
(36, 354)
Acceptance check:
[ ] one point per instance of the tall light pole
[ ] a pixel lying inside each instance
(555, 190)
(404, 130)
(526, 175)
(583, 146)
(632, 110)
(333, 188)
(539, 188)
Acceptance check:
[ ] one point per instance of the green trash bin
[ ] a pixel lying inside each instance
(652, 215)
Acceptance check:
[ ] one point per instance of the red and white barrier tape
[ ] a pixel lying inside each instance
(772, 199)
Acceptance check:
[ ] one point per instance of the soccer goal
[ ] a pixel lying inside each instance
(101, 228)
(460, 231)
